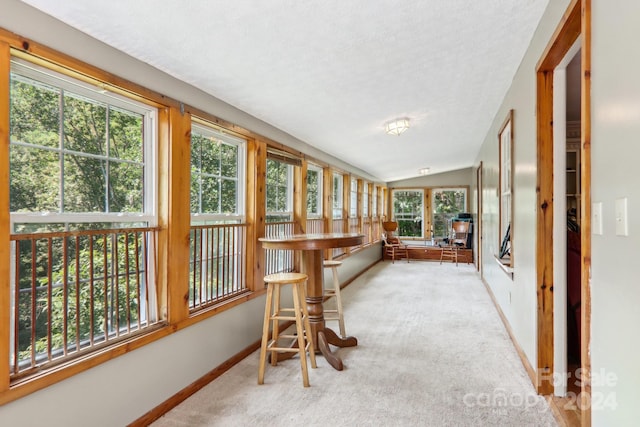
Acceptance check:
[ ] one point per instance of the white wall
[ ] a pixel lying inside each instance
(517, 298)
(119, 391)
(615, 282)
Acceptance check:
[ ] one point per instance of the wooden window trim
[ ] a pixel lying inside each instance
(508, 122)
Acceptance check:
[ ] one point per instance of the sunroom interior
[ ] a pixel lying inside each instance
(142, 162)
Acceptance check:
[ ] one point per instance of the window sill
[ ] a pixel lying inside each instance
(505, 265)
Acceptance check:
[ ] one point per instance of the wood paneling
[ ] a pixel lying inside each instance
(256, 211)
(175, 215)
(544, 234)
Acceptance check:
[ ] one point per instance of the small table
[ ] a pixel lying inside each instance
(311, 247)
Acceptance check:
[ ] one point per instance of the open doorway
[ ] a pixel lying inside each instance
(573, 191)
(566, 221)
(574, 28)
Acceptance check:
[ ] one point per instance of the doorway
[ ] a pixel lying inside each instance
(566, 221)
(575, 25)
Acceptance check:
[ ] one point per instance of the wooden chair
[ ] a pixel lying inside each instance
(458, 240)
(393, 247)
(460, 233)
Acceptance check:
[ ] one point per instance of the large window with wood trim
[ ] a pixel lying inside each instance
(408, 212)
(83, 216)
(218, 233)
(505, 140)
(279, 196)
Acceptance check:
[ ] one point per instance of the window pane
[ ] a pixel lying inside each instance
(126, 181)
(210, 195)
(229, 198)
(196, 152)
(337, 196)
(84, 184)
(35, 112)
(210, 161)
(195, 193)
(33, 180)
(125, 135)
(272, 204)
(84, 125)
(279, 192)
(312, 192)
(407, 211)
(229, 160)
(447, 204)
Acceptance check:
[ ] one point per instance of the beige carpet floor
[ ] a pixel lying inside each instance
(432, 351)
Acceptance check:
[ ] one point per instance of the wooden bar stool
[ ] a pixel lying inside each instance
(274, 313)
(334, 314)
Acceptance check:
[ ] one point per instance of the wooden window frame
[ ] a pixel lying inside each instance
(505, 190)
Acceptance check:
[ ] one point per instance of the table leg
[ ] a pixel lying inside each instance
(321, 335)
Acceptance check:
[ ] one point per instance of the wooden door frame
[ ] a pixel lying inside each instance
(575, 22)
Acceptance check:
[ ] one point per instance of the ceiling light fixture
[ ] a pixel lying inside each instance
(424, 171)
(397, 126)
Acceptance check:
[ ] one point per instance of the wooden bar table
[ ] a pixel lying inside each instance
(311, 247)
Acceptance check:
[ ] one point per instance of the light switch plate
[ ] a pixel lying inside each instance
(622, 229)
(596, 218)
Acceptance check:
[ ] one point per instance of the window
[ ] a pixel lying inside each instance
(447, 204)
(337, 196)
(279, 191)
(408, 212)
(365, 199)
(217, 236)
(374, 201)
(82, 183)
(353, 198)
(217, 176)
(314, 191)
(506, 183)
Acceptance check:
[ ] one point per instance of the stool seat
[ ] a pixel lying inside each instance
(331, 263)
(337, 313)
(285, 278)
(300, 342)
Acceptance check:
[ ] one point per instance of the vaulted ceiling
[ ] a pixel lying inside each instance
(332, 73)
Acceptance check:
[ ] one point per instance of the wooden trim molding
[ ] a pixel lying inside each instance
(585, 205)
(5, 221)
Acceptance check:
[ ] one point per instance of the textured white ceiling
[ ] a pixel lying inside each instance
(333, 72)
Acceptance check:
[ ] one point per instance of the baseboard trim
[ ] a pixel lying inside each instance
(192, 388)
(523, 357)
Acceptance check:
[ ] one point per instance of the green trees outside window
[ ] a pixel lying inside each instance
(279, 191)
(78, 162)
(447, 204)
(214, 174)
(408, 208)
